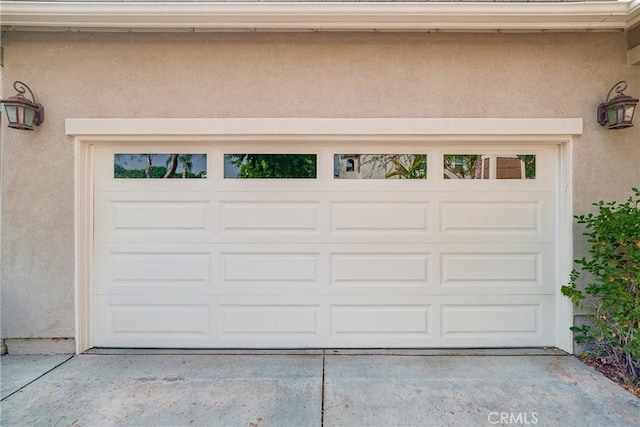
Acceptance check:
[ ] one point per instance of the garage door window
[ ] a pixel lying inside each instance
(274, 166)
(380, 166)
(159, 165)
(489, 166)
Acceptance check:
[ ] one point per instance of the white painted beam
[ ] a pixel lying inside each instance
(398, 16)
(325, 126)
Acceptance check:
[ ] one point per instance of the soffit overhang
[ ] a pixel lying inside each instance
(617, 15)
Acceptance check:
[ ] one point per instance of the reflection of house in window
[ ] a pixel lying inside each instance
(489, 166)
(350, 165)
(503, 167)
(510, 168)
(458, 161)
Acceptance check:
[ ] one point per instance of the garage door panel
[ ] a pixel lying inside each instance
(510, 268)
(499, 319)
(161, 217)
(381, 320)
(503, 217)
(490, 216)
(274, 216)
(378, 217)
(515, 269)
(269, 319)
(160, 319)
(286, 320)
(151, 269)
(269, 267)
(380, 268)
(365, 215)
(180, 267)
(141, 320)
(490, 319)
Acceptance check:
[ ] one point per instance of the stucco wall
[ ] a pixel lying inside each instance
(278, 75)
(634, 36)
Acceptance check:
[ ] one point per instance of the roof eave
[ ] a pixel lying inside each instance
(634, 14)
(273, 16)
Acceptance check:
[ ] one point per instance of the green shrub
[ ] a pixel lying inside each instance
(611, 298)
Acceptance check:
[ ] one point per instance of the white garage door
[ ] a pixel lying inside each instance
(334, 248)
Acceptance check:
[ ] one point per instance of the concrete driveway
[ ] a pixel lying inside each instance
(311, 388)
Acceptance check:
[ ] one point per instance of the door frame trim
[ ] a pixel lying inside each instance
(88, 133)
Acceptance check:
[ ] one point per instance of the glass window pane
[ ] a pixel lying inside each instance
(380, 166)
(159, 165)
(463, 166)
(489, 166)
(529, 165)
(274, 166)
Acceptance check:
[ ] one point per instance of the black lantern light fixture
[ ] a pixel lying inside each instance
(617, 113)
(22, 113)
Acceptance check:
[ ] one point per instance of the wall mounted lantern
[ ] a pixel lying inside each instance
(617, 113)
(22, 113)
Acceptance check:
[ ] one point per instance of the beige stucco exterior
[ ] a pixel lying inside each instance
(226, 75)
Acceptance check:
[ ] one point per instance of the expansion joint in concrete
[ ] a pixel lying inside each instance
(324, 352)
(38, 377)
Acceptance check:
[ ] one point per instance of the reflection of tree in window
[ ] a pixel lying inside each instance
(381, 166)
(273, 165)
(462, 166)
(134, 165)
(148, 170)
(172, 165)
(408, 166)
(351, 165)
(529, 165)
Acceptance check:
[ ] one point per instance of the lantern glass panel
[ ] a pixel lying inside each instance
(29, 116)
(12, 113)
(628, 112)
(612, 116)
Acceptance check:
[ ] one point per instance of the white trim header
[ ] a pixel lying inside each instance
(318, 16)
(323, 126)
